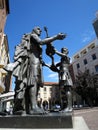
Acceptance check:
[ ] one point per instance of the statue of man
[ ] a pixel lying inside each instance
(27, 69)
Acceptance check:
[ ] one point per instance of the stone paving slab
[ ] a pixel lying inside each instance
(90, 116)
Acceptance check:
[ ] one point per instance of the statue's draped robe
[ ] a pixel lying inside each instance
(28, 54)
(27, 68)
(64, 71)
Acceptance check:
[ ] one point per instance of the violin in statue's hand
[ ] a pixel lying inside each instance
(61, 36)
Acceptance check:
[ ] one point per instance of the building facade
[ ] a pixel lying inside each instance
(49, 95)
(95, 24)
(4, 50)
(4, 11)
(86, 59)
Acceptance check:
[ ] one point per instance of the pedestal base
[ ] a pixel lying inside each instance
(50, 120)
(78, 124)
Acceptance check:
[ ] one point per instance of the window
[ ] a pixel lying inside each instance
(85, 61)
(77, 56)
(50, 89)
(91, 46)
(96, 68)
(78, 66)
(1, 4)
(83, 52)
(94, 56)
(45, 89)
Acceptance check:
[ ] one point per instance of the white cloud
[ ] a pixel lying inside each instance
(50, 75)
(87, 36)
(70, 59)
(53, 76)
(86, 39)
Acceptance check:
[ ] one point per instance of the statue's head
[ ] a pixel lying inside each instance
(37, 30)
(64, 50)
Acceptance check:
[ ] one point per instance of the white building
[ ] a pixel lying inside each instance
(95, 24)
(49, 94)
(86, 58)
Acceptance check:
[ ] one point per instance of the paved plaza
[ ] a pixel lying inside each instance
(90, 116)
(84, 119)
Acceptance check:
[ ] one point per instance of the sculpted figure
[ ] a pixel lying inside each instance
(27, 69)
(65, 80)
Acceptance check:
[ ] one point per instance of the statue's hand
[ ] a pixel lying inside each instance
(61, 36)
(54, 68)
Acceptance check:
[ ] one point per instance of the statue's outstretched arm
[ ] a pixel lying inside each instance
(59, 53)
(47, 65)
(59, 36)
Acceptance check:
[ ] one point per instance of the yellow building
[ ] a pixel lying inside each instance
(4, 60)
(4, 51)
(4, 11)
(49, 95)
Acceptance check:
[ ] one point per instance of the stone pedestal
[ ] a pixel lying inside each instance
(50, 120)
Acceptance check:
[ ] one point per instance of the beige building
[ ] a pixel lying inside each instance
(49, 94)
(4, 59)
(4, 50)
(86, 58)
(4, 11)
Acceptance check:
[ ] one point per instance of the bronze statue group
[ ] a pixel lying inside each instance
(27, 69)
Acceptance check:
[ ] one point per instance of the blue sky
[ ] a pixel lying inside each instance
(73, 17)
